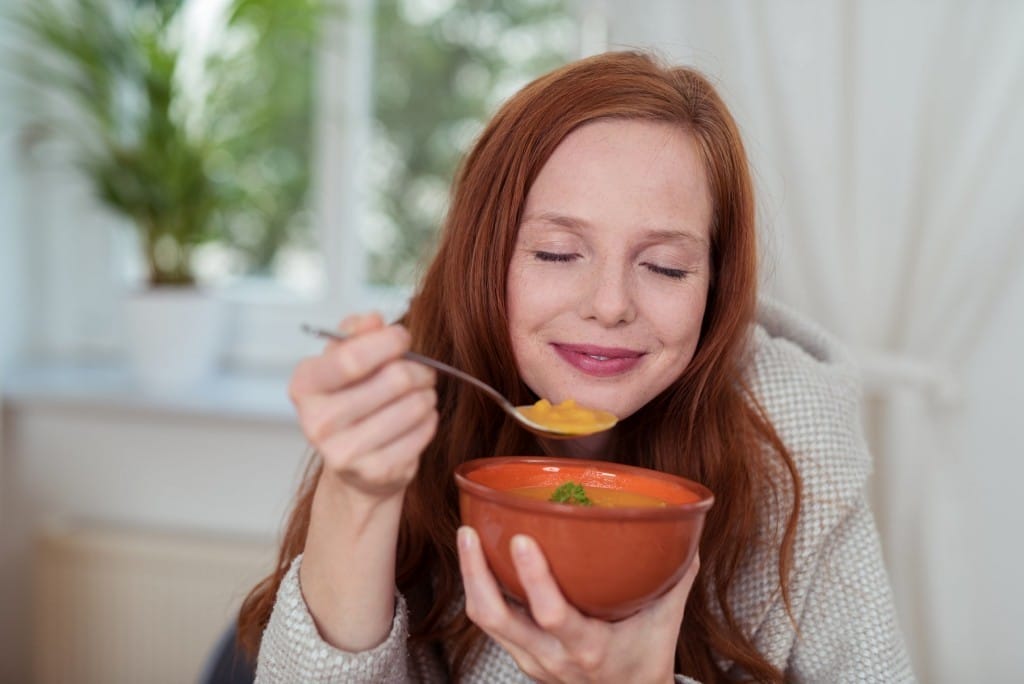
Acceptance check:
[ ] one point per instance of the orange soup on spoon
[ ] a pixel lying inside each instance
(568, 417)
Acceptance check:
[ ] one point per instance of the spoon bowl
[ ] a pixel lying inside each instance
(518, 413)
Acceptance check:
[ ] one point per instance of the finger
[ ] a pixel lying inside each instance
(321, 415)
(485, 604)
(348, 361)
(360, 323)
(358, 442)
(392, 467)
(548, 606)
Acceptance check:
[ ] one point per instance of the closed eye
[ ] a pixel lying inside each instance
(674, 273)
(554, 256)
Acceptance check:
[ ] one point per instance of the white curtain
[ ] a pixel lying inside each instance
(888, 142)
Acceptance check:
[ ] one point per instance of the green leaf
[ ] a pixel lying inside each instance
(571, 493)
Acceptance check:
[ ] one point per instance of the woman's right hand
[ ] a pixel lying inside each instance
(369, 412)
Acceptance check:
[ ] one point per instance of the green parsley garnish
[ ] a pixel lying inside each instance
(571, 493)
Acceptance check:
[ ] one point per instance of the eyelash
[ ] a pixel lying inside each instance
(554, 256)
(674, 273)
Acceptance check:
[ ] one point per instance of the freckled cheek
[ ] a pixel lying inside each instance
(680, 343)
(527, 321)
(678, 317)
(536, 301)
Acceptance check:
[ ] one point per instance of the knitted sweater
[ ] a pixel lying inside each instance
(839, 592)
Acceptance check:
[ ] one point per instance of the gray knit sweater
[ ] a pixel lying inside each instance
(840, 594)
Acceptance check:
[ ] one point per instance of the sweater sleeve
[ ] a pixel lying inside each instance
(848, 630)
(292, 649)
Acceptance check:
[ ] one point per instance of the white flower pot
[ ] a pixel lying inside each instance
(174, 337)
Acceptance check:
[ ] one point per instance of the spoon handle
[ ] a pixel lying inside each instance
(426, 361)
(453, 371)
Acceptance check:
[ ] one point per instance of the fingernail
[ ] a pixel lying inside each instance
(465, 538)
(348, 325)
(521, 547)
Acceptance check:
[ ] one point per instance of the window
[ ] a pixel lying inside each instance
(366, 132)
(441, 68)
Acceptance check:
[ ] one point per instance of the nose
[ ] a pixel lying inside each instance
(609, 299)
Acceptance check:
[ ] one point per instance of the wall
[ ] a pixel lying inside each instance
(115, 464)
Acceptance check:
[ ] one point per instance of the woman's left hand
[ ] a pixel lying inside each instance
(557, 643)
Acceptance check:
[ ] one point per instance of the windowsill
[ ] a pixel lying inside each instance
(229, 395)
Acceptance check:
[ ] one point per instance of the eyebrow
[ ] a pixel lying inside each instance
(574, 223)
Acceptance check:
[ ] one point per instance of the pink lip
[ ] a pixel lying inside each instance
(611, 361)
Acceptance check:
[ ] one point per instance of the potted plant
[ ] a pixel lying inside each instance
(140, 140)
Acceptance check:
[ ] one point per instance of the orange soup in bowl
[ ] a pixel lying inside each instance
(598, 496)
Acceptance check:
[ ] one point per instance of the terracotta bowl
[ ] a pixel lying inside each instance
(609, 562)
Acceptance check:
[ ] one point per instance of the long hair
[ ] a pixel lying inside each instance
(707, 426)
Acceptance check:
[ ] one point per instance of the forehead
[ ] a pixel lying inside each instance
(626, 170)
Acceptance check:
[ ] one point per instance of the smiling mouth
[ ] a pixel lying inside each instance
(600, 352)
(599, 361)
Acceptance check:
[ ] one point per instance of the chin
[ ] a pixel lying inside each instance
(611, 401)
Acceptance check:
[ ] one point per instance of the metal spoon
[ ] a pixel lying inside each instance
(516, 412)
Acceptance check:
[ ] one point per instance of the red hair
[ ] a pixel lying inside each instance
(707, 426)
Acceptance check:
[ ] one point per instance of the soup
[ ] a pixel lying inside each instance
(568, 417)
(599, 496)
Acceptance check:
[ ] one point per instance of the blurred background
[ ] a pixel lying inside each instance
(184, 182)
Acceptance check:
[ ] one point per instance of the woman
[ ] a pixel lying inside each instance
(600, 245)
